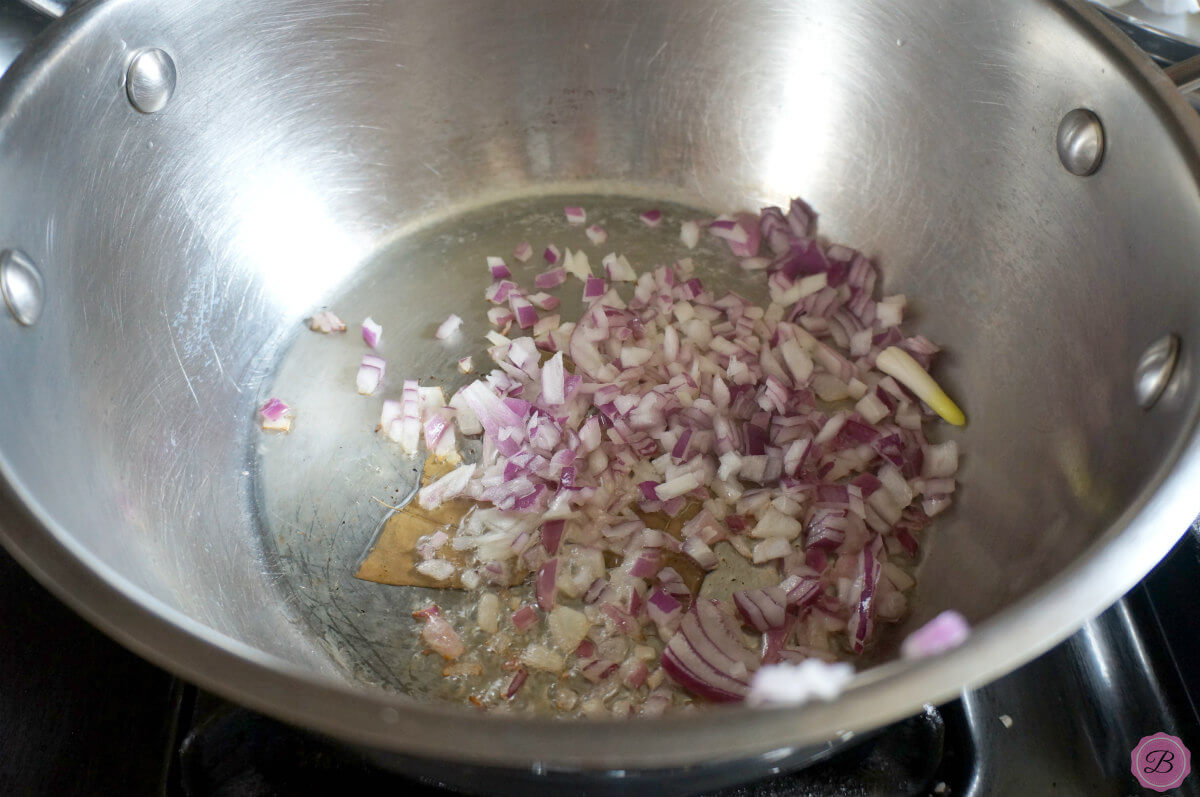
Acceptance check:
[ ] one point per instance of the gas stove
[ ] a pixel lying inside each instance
(81, 715)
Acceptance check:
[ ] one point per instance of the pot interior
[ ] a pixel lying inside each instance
(367, 156)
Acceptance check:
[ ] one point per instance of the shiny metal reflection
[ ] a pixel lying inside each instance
(22, 287)
(1081, 142)
(1154, 370)
(150, 81)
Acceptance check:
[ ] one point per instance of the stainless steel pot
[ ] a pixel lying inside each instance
(310, 149)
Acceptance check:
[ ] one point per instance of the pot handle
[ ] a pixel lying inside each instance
(50, 8)
(1185, 74)
(21, 21)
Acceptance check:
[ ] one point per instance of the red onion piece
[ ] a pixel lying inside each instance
(371, 332)
(438, 634)
(497, 268)
(525, 618)
(575, 215)
(544, 585)
(946, 631)
(706, 656)
(523, 251)
(515, 683)
(763, 609)
(552, 256)
(597, 670)
(700, 553)
(596, 234)
(651, 218)
(646, 565)
(273, 410)
(550, 279)
(552, 531)
(633, 673)
(452, 485)
(594, 288)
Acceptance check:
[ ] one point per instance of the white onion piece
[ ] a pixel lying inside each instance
(795, 684)
(576, 263)
(448, 327)
(689, 233)
(446, 488)
(326, 322)
(487, 613)
(437, 569)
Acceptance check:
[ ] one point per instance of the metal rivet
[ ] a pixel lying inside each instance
(22, 286)
(1154, 370)
(1081, 142)
(150, 81)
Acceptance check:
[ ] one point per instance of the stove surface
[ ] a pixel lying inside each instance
(80, 715)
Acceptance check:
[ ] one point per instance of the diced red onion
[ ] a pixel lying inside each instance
(946, 631)
(523, 251)
(515, 683)
(764, 608)
(550, 279)
(596, 234)
(368, 378)
(700, 553)
(497, 268)
(438, 634)
(523, 310)
(452, 485)
(544, 585)
(651, 218)
(371, 332)
(646, 565)
(525, 618)
(575, 214)
(594, 288)
(706, 657)
(597, 670)
(273, 410)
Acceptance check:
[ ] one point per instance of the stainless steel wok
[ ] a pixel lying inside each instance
(365, 153)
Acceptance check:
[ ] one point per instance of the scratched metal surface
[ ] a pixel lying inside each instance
(181, 250)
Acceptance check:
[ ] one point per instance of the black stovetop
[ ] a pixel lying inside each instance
(80, 715)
